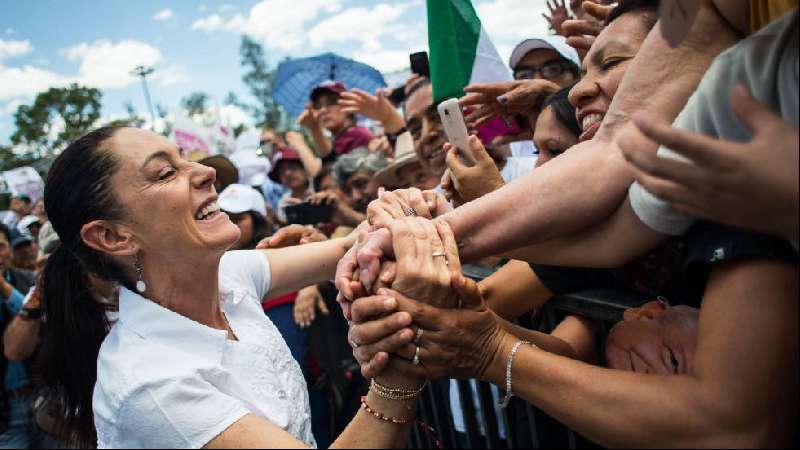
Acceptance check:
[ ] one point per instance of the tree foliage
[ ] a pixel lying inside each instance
(195, 104)
(57, 117)
(260, 78)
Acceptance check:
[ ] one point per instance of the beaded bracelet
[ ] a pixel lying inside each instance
(395, 393)
(365, 406)
(509, 392)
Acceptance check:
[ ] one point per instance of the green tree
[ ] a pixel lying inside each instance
(260, 78)
(56, 118)
(132, 120)
(195, 104)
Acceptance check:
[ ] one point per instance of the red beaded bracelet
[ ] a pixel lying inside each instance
(380, 416)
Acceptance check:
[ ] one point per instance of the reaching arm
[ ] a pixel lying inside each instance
(514, 290)
(310, 161)
(741, 393)
(21, 338)
(294, 268)
(562, 197)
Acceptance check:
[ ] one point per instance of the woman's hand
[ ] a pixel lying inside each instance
(296, 140)
(472, 182)
(376, 107)
(582, 32)
(400, 203)
(291, 236)
(456, 343)
(306, 305)
(558, 15)
(506, 99)
(427, 258)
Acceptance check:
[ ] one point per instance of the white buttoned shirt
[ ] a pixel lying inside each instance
(165, 381)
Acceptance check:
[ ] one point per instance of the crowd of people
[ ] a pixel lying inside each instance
(149, 300)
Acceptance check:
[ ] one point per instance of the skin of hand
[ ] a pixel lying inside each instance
(558, 14)
(306, 305)
(295, 139)
(457, 343)
(381, 145)
(505, 99)
(473, 182)
(720, 174)
(581, 33)
(291, 236)
(309, 118)
(393, 205)
(376, 107)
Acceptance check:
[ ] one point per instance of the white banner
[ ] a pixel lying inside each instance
(25, 181)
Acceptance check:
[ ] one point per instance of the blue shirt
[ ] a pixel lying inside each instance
(16, 375)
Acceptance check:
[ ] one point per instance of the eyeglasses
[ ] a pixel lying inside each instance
(548, 71)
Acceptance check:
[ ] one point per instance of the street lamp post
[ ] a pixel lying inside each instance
(143, 72)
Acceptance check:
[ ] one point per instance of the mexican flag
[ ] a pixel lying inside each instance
(461, 52)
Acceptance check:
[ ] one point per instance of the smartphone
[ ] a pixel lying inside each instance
(456, 129)
(420, 64)
(308, 214)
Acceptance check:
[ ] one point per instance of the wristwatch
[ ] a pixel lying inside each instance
(30, 313)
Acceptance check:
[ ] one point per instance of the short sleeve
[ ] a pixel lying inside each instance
(178, 413)
(249, 269)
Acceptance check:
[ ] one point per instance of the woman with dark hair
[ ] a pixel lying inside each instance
(557, 127)
(191, 360)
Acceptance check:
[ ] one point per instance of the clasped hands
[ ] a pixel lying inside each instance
(410, 308)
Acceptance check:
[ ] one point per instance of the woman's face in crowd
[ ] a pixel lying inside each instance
(604, 67)
(552, 138)
(170, 204)
(415, 175)
(361, 189)
(655, 338)
(292, 175)
(330, 113)
(245, 223)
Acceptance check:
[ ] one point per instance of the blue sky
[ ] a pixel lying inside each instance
(194, 44)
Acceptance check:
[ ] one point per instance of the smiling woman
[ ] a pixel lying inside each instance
(192, 361)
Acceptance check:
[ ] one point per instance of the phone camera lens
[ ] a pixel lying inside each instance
(446, 112)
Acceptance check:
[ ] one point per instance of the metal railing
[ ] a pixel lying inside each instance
(521, 425)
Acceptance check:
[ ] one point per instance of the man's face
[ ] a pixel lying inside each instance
(655, 338)
(292, 175)
(5, 254)
(545, 64)
(425, 127)
(19, 206)
(25, 256)
(361, 188)
(416, 175)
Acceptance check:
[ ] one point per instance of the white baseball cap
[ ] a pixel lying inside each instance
(238, 199)
(555, 43)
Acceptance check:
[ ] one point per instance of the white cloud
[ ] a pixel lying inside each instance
(10, 108)
(359, 24)
(513, 20)
(232, 115)
(10, 49)
(208, 24)
(169, 76)
(383, 60)
(26, 81)
(107, 65)
(227, 7)
(279, 24)
(163, 15)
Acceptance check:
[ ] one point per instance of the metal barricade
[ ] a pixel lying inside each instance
(521, 425)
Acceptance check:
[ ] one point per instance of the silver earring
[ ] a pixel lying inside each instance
(140, 284)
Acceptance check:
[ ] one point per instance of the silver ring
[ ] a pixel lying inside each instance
(409, 212)
(418, 338)
(416, 357)
(353, 344)
(439, 254)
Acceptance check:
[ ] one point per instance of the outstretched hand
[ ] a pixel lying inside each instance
(558, 14)
(505, 99)
(751, 185)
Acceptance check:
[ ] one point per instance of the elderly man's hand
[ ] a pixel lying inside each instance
(751, 185)
(505, 99)
(473, 182)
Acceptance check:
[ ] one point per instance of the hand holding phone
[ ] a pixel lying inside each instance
(456, 129)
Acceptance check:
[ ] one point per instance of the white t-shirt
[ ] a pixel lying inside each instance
(165, 381)
(516, 167)
(767, 62)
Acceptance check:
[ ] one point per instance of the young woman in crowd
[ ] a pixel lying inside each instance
(191, 361)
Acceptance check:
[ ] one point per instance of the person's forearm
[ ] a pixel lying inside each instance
(613, 243)
(310, 161)
(393, 124)
(294, 268)
(21, 339)
(514, 290)
(367, 431)
(322, 144)
(544, 341)
(563, 197)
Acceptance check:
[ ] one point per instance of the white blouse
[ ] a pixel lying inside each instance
(165, 381)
